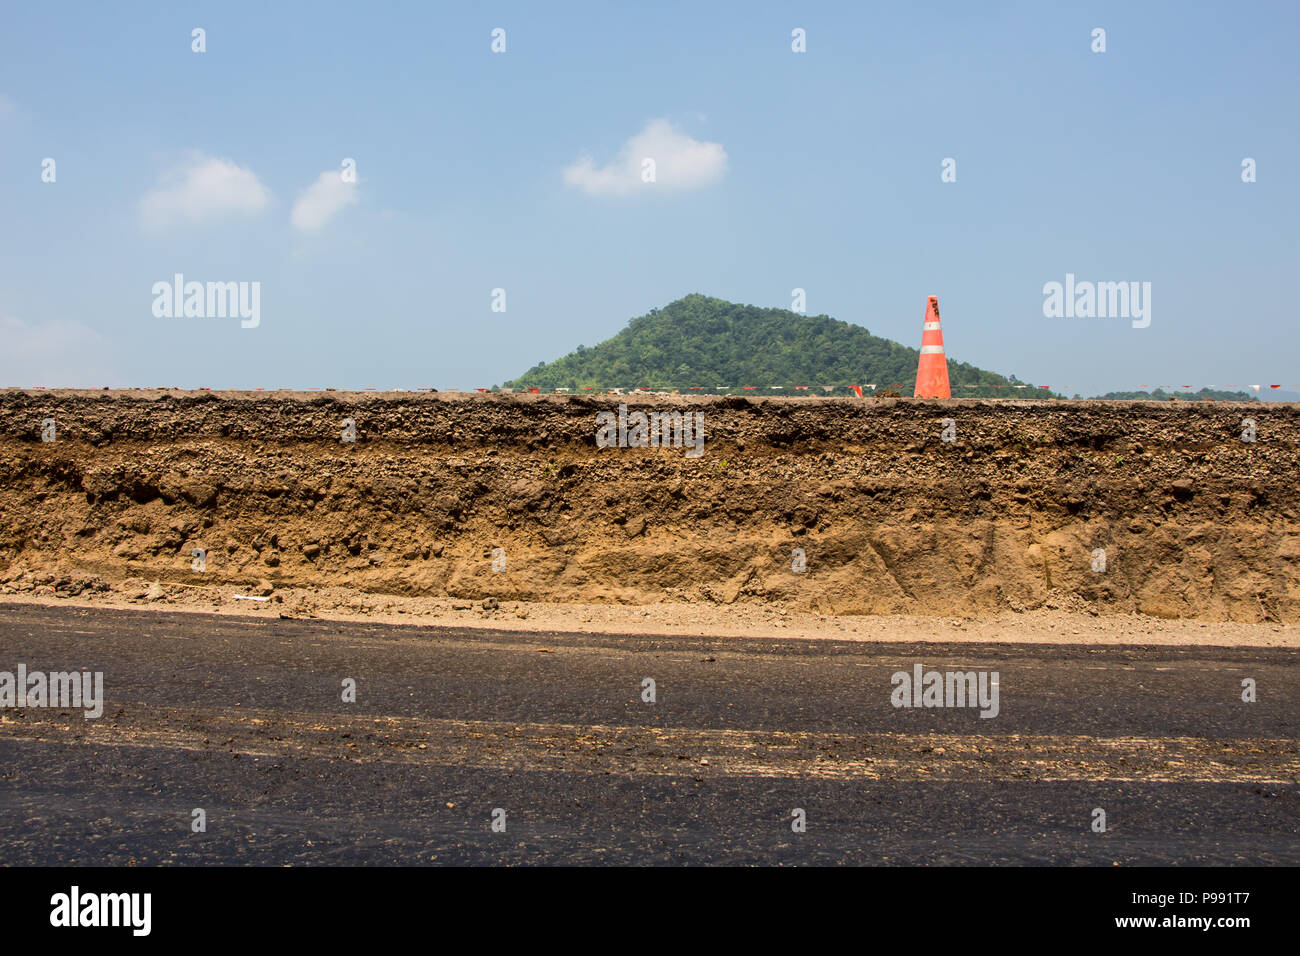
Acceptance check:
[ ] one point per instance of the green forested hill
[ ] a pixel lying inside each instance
(700, 340)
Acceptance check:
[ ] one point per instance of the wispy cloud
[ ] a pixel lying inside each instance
(203, 191)
(681, 163)
(52, 353)
(322, 200)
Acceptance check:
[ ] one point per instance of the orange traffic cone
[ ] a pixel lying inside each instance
(932, 370)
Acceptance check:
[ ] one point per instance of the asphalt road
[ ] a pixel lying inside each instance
(244, 719)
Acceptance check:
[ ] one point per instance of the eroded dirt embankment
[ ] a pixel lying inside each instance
(1193, 520)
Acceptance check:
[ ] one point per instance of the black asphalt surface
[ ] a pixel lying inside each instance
(244, 718)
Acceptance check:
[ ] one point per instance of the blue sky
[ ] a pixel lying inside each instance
(776, 170)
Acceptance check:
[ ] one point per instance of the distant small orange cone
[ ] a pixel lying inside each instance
(932, 370)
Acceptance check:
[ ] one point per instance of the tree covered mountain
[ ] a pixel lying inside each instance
(699, 340)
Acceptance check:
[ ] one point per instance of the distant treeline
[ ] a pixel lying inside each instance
(1185, 395)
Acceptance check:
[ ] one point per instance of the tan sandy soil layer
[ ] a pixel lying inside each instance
(1052, 624)
(1195, 523)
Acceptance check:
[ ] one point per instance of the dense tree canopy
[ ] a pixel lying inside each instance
(1187, 395)
(700, 340)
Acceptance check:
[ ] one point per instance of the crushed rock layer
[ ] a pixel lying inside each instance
(1159, 509)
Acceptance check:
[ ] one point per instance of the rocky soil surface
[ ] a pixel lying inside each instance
(1158, 509)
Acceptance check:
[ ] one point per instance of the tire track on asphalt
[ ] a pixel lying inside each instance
(698, 753)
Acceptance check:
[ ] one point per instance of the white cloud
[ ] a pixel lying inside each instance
(322, 200)
(54, 354)
(680, 162)
(202, 191)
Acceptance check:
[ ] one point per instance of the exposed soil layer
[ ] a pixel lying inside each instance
(1014, 514)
